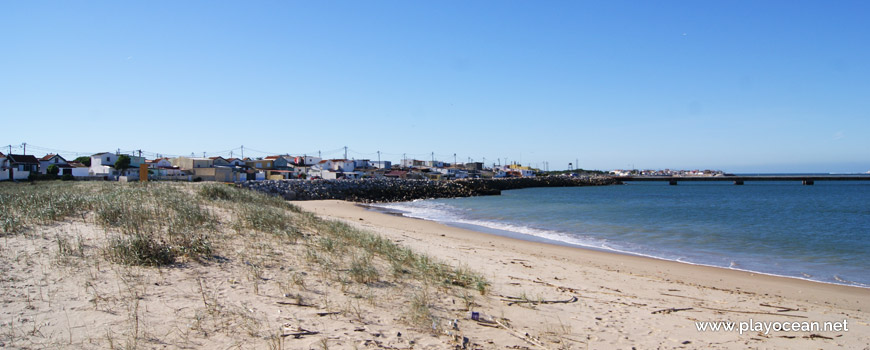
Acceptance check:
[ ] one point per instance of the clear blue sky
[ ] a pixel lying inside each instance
(735, 85)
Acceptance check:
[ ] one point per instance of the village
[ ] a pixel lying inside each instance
(667, 172)
(117, 166)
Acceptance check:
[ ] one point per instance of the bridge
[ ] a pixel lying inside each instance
(740, 179)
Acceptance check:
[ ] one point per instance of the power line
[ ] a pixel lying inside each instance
(344, 150)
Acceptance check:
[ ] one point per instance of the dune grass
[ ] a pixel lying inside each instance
(364, 256)
(125, 242)
(153, 224)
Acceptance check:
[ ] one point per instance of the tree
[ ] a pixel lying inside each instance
(123, 162)
(52, 170)
(84, 160)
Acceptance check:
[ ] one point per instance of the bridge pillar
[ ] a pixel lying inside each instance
(738, 182)
(807, 182)
(672, 182)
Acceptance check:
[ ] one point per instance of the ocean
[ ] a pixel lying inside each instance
(819, 233)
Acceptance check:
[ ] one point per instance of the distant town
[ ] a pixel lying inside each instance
(118, 166)
(126, 167)
(667, 172)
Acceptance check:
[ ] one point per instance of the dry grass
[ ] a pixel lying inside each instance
(170, 232)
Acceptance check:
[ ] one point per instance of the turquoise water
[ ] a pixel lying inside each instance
(819, 232)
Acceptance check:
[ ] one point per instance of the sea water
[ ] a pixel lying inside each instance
(819, 232)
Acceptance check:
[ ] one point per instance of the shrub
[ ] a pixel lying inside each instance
(216, 192)
(139, 249)
(41, 177)
(362, 270)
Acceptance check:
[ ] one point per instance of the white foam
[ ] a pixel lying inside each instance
(444, 213)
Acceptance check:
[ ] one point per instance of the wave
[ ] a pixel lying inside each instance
(447, 214)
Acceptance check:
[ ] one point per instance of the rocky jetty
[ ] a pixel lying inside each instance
(397, 190)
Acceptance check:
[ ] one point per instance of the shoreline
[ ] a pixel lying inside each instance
(621, 300)
(532, 238)
(820, 293)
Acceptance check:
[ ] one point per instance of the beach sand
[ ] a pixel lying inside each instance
(264, 291)
(623, 301)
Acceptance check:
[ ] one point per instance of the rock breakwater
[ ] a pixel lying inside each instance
(397, 190)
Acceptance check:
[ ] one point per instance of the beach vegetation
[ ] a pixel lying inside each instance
(139, 249)
(67, 248)
(271, 248)
(362, 270)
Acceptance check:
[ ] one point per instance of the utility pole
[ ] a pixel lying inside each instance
(379, 159)
(454, 158)
(23, 144)
(243, 151)
(433, 158)
(318, 154)
(203, 154)
(345, 152)
(140, 153)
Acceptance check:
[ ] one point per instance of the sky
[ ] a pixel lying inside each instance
(740, 86)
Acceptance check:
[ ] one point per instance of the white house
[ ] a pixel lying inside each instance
(384, 164)
(339, 165)
(408, 163)
(19, 167)
(103, 164)
(53, 159)
(332, 175)
(306, 160)
(159, 163)
(162, 169)
(451, 172)
(76, 169)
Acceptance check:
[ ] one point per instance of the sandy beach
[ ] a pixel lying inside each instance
(624, 301)
(235, 269)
